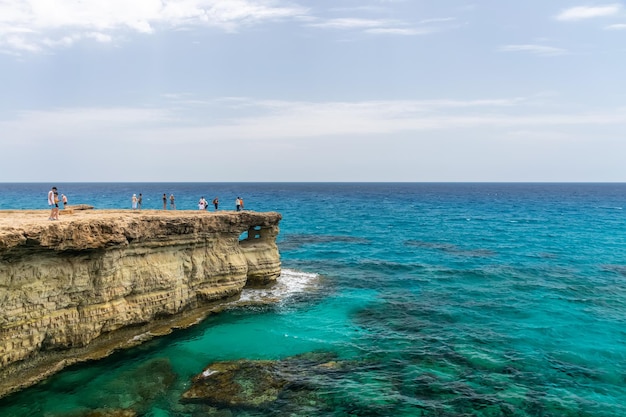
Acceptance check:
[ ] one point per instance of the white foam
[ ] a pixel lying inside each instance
(208, 373)
(142, 337)
(289, 283)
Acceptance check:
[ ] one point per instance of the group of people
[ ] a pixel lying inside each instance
(53, 203)
(172, 202)
(54, 200)
(203, 204)
(136, 201)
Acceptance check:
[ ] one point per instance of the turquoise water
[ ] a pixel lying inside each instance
(435, 299)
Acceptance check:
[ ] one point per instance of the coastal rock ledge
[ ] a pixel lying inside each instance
(97, 280)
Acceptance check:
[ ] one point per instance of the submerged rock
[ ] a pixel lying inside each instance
(248, 384)
(110, 413)
(139, 388)
(103, 413)
(262, 383)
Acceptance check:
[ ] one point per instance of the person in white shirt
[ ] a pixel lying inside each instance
(53, 202)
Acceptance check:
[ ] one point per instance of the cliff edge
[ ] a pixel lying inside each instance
(82, 286)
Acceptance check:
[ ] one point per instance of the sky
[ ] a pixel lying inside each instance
(303, 90)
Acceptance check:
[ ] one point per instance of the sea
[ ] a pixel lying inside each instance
(396, 299)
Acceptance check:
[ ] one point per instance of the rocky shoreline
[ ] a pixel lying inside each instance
(99, 280)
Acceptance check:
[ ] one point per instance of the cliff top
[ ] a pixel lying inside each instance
(90, 229)
(27, 218)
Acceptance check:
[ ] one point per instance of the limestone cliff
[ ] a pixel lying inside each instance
(66, 284)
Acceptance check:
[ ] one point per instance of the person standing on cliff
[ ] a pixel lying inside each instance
(172, 203)
(164, 201)
(53, 202)
(139, 201)
(64, 200)
(216, 203)
(239, 203)
(134, 202)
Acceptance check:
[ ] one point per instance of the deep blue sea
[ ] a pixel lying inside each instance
(421, 299)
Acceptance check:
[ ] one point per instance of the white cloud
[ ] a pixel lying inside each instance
(285, 120)
(151, 144)
(617, 26)
(534, 49)
(400, 31)
(65, 41)
(15, 42)
(350, 23)
(37, 25)
(33, 126)
(33, 24)
(588, 12)
(100, 37)
(385, 26)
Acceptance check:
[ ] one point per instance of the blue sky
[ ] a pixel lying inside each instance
(325, 90)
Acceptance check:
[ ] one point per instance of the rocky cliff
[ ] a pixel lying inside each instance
(69, 288)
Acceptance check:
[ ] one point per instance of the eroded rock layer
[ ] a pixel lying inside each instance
(64, 284)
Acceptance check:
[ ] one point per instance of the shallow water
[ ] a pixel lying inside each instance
(433, 299)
